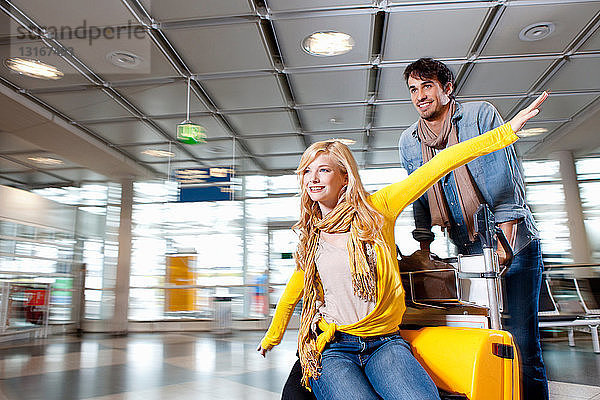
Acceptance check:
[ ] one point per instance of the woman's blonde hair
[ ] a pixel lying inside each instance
(369, 221)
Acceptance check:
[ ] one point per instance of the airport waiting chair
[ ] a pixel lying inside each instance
(577, 312)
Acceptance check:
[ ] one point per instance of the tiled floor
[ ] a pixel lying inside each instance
(201, 366)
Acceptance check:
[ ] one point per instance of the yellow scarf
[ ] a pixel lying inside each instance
(339, 220)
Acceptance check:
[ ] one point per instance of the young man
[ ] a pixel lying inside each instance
(494, 179)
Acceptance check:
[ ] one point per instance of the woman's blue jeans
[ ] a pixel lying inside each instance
(371, 368)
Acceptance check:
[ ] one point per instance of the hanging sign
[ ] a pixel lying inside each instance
(204, 184)
(190, 133)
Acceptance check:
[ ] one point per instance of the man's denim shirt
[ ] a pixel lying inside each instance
(497, 176)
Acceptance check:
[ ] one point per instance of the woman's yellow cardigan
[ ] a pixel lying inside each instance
(389, 201)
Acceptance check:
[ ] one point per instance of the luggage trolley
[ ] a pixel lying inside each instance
(467, 363)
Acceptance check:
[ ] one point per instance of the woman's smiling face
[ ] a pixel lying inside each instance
(323, 180)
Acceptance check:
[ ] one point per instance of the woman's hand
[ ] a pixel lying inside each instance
(262, 350)
(526, 114)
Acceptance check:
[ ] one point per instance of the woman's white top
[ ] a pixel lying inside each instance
(341, 306)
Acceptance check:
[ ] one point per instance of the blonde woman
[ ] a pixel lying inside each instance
(347, 275)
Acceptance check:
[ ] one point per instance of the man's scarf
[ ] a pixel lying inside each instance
(469, 197)
(341, 219)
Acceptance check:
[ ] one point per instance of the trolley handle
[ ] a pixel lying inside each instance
(487, 231)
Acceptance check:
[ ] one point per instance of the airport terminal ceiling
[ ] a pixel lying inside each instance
(260, 95)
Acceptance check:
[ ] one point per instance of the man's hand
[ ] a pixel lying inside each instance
(510, 231)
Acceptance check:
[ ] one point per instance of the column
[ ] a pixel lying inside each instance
(119, 321)
(580, 248)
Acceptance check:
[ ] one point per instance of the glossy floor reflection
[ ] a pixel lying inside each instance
(202, 366)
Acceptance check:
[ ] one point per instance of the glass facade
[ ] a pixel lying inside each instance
(240, 247)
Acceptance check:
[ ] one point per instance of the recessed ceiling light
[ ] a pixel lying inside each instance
(45, 160)
(532, 132)
(159, 153)
(328, 43)
(537, 31)
(124, 59)
(33, 68)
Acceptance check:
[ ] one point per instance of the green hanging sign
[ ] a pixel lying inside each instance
(190, 133)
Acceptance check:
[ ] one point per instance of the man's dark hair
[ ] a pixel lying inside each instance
(428, 68)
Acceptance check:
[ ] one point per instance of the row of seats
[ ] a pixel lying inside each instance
(570, 298)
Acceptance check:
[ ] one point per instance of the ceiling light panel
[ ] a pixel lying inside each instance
(33, 68)
(137, 152)
(330, 87)
(327, 44)
(166, 99)
(45, 161)
(193, 9)
(159, 153)
(532, 132)
(291, 32)
(243, 93)
(263, 123)
(21, 49)
(568, 19)
(225, 48)
(503, 77)
(30, 159)
(333, 118)
(409, 38)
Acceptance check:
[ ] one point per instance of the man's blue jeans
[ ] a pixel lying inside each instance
(522, 284)
(365, 368)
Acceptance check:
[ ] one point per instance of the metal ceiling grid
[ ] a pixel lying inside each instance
(252, 81)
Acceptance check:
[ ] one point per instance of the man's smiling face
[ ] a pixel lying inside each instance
(429, 97)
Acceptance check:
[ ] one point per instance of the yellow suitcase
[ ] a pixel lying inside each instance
(477, 364)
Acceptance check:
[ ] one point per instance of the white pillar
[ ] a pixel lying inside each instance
(580, 247)
(119, 322)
